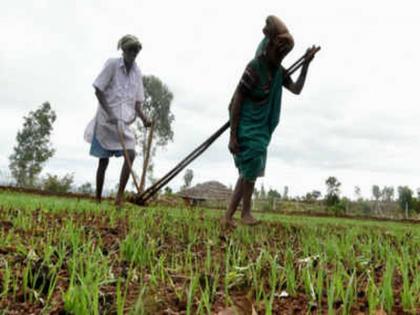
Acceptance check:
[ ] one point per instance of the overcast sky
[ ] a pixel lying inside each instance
(357, 117)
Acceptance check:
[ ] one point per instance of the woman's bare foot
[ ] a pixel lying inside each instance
(249, 220)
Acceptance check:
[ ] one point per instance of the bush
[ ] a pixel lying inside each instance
(416, 205)
(86, 188)
(53, 183)
(331, 200)
(364, 207)
(338, 208)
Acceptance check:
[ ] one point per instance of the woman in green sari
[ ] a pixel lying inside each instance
(255, 112)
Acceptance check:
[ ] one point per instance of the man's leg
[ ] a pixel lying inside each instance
(234, 202)
(125, 174)
(248, 190)
(100, 177)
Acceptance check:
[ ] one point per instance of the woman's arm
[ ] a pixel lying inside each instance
(296, 87)
(235, 110)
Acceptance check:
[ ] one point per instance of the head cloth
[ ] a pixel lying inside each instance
(277, 32)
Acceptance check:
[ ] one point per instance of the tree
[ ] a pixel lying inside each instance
(358, 193)
(405, 198)
(387, 193)
(188, 177)
(316, 194)
(262, 192)
(157, 106)
(54, 183)
(33, 147)
(376, 193)
(272, 193)
(333, 191)
(286, 192)
(312, 196)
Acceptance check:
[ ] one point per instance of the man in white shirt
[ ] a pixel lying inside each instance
(120, 93)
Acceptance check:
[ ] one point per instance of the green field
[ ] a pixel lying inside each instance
(70, 256)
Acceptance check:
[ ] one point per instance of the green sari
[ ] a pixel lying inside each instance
(259, 117)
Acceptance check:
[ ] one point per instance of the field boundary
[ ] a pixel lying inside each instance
(48, 193)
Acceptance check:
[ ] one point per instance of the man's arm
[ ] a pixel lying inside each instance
(144, 119)
(104, 104)
(235, 110)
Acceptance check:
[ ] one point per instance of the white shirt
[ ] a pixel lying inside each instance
(122, 90)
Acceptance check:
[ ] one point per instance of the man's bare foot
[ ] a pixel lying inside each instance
(119, 202)
(227, 222)
(249, 220)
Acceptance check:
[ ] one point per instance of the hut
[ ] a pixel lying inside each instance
(211, 193)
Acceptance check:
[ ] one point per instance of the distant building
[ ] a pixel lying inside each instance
(210, 193)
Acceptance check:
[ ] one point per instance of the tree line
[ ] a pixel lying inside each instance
(382, 199)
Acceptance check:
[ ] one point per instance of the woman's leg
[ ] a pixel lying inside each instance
(248, 190)
(234, 201)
